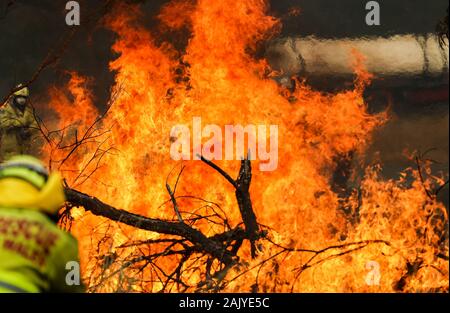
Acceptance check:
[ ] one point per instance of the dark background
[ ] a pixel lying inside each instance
(29, 29)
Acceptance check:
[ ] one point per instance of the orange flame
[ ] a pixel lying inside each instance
(218, 78)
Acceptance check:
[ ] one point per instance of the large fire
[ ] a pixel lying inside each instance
(379, 236)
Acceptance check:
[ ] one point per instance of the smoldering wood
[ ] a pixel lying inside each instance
(223, 247)
(242, 186)
(200, 241)
(214, 245)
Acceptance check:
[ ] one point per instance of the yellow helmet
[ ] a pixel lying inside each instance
(23, 92)
(25, 183)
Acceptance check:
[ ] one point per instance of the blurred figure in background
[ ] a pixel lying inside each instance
(19, 131)
(33, 250)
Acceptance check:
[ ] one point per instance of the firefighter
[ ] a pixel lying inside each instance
(19, 130)
(34, 252)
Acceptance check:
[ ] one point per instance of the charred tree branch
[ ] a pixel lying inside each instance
(242, 186)
(200, 241)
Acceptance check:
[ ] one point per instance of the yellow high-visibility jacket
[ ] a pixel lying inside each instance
(34, 253)
(18, 131)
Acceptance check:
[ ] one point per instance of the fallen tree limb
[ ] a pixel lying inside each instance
(223, 247)
(199, 240)
(242, 186)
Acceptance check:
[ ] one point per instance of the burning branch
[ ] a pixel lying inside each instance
(172, 195)
(214, 245)
(200, 241)
(432, 194)
(222, 247)
(242, 185)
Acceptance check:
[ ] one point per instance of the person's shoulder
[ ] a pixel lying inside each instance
(29, 113)
(29, 109)
(6, 108)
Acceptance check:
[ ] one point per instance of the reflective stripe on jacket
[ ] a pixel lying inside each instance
(34, 253)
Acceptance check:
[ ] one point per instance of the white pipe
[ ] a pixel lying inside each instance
(398, 55)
